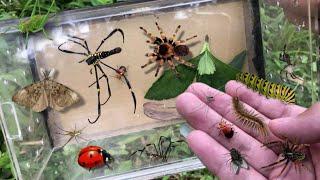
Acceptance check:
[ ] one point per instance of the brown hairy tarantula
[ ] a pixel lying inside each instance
(167, 49)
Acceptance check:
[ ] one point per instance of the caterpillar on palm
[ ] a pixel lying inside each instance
(268, 89)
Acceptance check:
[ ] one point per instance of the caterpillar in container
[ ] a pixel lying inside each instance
(249, 118)
(268, 89)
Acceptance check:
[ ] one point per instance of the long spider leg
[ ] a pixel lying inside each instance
(184, 41)
(76, 42)
(108, 84)
(150, 61)
(163, 36)
(272, 164)
(83, 138)
(158, 67)
(287, 162)
(110, 34)
(176, 31)
(70, 52)
(132, 94)
(160, 144)
(172, 66)
(61, 128)
(98, 90)
(85, 42)
(184, 62)
(68, 140)
(76, 138)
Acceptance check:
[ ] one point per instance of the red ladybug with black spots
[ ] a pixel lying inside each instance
(92, 157)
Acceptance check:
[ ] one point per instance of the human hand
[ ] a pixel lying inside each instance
(291, 121)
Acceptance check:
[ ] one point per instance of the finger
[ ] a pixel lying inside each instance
(213, 155)
(223, 105)
(304, 128)
(207, 122)
(271, 108)
(314, 150)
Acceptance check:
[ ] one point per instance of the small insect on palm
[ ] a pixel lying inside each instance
(161, 151)
(237, 161)
(290, 152)
(225, 129)
(167, 49)
(75, 134)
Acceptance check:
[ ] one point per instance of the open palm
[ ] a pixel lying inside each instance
(291, 121)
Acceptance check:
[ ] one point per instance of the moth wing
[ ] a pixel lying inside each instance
(235, 168)
(61, 96)
(33, 96)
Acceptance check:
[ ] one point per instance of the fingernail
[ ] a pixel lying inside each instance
(185, 130)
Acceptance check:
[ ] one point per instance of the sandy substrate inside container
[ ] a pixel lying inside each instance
(224, 23)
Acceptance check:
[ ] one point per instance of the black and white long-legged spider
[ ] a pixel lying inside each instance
(288, 69)
(161, 151)
(167, 49)
(94, 59)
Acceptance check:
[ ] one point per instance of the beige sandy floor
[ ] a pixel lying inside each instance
(223, 23)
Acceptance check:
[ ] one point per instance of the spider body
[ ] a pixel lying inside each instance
(166, 50)
(289, 152)
(95, 60)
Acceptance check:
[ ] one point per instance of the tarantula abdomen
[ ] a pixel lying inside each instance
(181, 50)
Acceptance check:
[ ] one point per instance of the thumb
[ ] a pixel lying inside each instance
(304, 128)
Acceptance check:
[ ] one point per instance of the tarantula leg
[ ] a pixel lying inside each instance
(184, 41)
(151, 60)
(176, 32)
(182, 61)
(153, 38)
(173, 67)
(158, 67)
(163, 36)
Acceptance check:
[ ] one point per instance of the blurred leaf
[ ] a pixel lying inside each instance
(206, 64)
(101, 2)
(238, 61)
(169, 85)
(223, 74)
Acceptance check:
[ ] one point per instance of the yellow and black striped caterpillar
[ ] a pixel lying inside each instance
(268, 89)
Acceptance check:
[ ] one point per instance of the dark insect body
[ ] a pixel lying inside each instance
(92, 157)
(95, 59)
(75, 134)
(225, 129)
(167, 50)
(249, 118)
(288, 69)
(237, 161)
(290, 152)
(161, 151)
(268, 89)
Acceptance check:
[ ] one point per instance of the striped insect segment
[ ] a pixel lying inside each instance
(268, 89)
(249, 118)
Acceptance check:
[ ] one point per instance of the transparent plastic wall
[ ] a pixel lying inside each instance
(291, 28)
(35, 140)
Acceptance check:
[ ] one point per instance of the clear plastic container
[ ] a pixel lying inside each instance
(32, 138)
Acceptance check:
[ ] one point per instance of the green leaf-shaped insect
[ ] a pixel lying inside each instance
(206, 64)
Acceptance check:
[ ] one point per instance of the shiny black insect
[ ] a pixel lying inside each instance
(290, 152)
(94, 59)
(237, 161)
(161, 151)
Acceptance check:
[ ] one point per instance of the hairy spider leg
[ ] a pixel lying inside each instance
(172, 66)
(110, 34)
(176, 32)
(160, 64)
(184, 41)
(152, 58)
(182, 61)
(163, 36)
